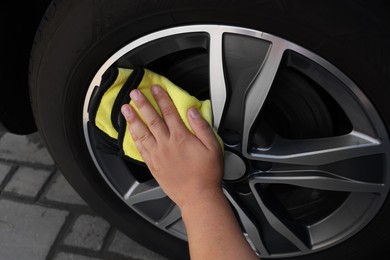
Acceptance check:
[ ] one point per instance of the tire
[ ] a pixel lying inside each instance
(76, 38)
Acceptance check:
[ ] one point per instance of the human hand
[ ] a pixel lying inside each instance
(187, 166)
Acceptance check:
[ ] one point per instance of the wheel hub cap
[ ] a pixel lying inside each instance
(234, 166)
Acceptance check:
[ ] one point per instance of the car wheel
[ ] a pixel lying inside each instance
(300, 96)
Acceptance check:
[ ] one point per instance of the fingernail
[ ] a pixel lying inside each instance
(135, 94)
(193, 112)
(156, 89)
(126, 111)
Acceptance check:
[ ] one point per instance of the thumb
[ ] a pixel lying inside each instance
(202, 129)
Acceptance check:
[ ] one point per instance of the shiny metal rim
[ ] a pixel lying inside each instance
(307, 163)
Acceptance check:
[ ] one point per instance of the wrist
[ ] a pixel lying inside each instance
(207, 198)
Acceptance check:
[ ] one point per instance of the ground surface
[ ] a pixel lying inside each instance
(42, 217)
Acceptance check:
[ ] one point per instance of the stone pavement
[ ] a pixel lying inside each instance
(42, 217)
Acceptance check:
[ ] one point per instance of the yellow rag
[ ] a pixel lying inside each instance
(181, 99)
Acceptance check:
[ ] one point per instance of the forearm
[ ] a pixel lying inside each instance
(213, 231)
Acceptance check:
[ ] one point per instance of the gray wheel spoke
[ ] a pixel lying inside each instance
(172, 215)
(318, 180)
(143, 192)
(319, 151)
(293, 232)
(257, 94)
(217, 78)
(246, 66)
(252, 232)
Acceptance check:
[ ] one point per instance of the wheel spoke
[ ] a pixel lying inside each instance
(217, 78)
(257, 94)
(239, 64)
(318, 180)
(143, 192)
(319, 151)
(294, 232)
(170, 217)
(253, 234)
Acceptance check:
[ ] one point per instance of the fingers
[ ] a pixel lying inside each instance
(140, 147)
(156, 127)
(168, 109)
(202, 129)
(152, 119)
(139, 131)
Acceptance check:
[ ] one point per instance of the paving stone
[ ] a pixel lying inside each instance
(88, 232)
(61, 191)
(26, 148)
(4, 170)
(28, 231)
(27, 181)
(123, 245)
(67, 256)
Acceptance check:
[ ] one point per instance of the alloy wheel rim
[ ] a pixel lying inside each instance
(262, 167)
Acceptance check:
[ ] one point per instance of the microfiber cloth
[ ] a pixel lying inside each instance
(114, 91)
